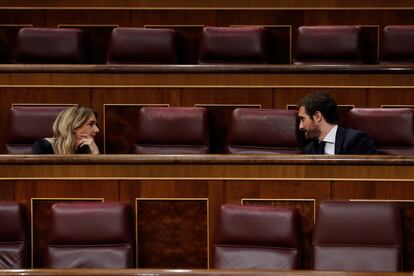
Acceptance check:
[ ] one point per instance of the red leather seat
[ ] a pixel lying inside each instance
(142, 45)
(357, 236)
(233, 45)
(398, 44)
(172, 130)
(257, 237)
(13, 236)
(264, 131)
(329, 45)
(27, 124)
(48, 45)
(392, 129)
(90, 235)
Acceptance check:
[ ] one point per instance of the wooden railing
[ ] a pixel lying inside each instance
(193, 188)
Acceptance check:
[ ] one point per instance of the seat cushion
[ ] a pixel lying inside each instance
(89, 235)
(398, 44)
(257, 237)
(260, 131)
(29, 123)
(13, 236)
(396, 134)
(329, 45)
(233, 45)
(48, 45)
(357, 236)
(142, 45)
(170, 130)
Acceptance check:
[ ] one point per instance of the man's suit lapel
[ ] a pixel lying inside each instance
(339, 140)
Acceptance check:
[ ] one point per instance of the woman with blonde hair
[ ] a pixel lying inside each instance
(74, 131)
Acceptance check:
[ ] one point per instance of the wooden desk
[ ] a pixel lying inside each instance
(194, 188)
(181, 272)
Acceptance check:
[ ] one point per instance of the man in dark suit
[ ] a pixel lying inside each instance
(318, 115)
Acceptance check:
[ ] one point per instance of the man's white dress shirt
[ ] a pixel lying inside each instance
(330, 141)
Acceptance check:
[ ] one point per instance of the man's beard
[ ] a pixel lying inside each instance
(313, 133)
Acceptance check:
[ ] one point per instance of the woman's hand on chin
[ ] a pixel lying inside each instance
(87, 140)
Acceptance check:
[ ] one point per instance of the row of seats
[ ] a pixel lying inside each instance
(349, 236)
(185, 130)
(248, 45)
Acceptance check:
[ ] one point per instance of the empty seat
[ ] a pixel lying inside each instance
(142, 45)
(398, 44)
(27, 124)
(47, 45)
(256, 131)
(329, 45)
(357, 236)
(257, 237)
(392, 129)
(233, 45)
(89, 235)
(172, 130)
(13, 236)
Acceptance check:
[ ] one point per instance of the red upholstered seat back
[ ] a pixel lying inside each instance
(13, 236)
(47, 45)
(27, 124)
(392, 129)
(357, 236)
(142, 45)
(90, 235)
(257, 237)
(233, 45)
(329, 45)
(255, 131)
(398, 44)
(172, 130)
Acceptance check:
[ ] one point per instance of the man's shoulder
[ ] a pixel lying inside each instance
(356, 142)
(352, 133)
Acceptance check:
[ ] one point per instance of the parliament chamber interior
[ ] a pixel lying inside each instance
(202, 170)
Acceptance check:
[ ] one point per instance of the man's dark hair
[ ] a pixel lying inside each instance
(322, 102)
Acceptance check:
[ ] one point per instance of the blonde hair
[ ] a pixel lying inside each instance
(64, 140)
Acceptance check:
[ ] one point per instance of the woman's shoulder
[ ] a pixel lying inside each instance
(43, 146)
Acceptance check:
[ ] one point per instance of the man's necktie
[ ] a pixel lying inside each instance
(321, 149)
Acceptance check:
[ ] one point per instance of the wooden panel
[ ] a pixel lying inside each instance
(13, 95)
(97, 38)
(87, 17)
(236, 96)
(25, 190)
(376, 97)
(284, 97)
(172, 233)
(32, 17)
(259, 17)
(140, 95)
(139, 18)
(234, 191)
(260, 4)
(40, 209)
(306, 209)
(180, 272)
(7, 191)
